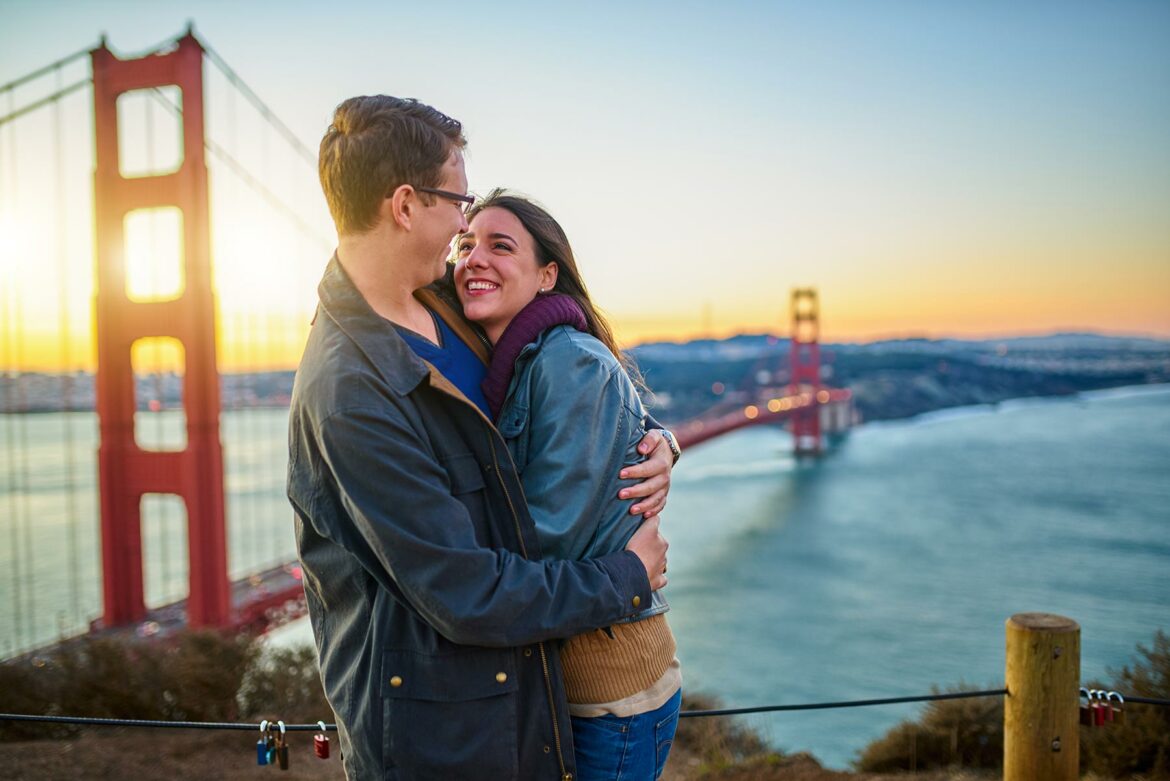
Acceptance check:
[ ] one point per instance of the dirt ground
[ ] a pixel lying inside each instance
(196, 755)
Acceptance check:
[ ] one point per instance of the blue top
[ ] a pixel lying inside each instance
(454, 360)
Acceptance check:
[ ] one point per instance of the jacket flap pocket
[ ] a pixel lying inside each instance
(464, 473)
(513, 421)
(470, 675)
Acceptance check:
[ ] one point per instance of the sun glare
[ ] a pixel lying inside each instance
(14, 245)
(154, 254)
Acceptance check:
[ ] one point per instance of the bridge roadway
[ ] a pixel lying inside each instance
(834, 405)
(261, 601)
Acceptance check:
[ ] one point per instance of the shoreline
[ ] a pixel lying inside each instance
(1022, 402)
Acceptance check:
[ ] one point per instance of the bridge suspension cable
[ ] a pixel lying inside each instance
(253, 182)
(63, 91)
(56, 96)
(269, 116)
(15, 438)
(33, 76)
(72, 518)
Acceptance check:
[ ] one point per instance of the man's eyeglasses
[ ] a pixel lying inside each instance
(464, 201)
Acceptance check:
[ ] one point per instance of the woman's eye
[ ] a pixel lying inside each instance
(463, 247)
(501, 247)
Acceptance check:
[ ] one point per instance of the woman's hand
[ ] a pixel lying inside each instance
(654, 473)
(650, 546)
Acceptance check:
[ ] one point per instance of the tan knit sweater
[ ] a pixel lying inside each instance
(600, 668)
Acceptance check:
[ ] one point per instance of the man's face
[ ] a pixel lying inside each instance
(443, 218)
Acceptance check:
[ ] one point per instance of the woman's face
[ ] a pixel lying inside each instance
(497, 274)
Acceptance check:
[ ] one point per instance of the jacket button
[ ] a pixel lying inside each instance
(501, 677)
(395, 681)
(528, 652)
(636, 601)
(547, 749)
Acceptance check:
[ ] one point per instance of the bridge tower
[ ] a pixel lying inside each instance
(126, 471)
(805, 371)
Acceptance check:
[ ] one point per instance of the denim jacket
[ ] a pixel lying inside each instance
(428, 601)
(572, 420)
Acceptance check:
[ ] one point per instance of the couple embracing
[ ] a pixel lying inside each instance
(475, 480)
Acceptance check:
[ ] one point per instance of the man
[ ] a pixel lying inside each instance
(428, 599)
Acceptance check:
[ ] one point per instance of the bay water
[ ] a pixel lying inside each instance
(883, 569)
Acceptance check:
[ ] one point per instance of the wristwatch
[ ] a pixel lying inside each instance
(675, 450)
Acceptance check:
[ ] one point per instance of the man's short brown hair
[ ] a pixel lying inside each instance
(376, 144)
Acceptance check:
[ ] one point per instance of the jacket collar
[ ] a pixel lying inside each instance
(374, 335)
(378, 339)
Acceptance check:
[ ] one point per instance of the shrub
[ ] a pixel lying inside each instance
(190, 676)
(1141, 744)
(29, 685)
(960, 733)
(718, 741)
(285, 683)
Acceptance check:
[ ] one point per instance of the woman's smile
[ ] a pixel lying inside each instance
(498, 273)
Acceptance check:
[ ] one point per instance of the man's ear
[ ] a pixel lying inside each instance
(548, 276)
(399, 207)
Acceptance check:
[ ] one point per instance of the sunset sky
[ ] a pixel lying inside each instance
(934, 169)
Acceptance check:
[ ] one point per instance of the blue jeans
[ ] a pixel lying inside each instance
(625, 748)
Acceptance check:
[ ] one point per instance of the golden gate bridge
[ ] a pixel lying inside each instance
(168, 329)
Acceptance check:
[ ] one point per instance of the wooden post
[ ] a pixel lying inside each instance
(1041, 734)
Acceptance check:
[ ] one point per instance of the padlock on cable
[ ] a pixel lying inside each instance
(1118, 708)
(262, 744)
(282, 748)
(1102, 713)
(1086, 708)
(1106, 707)
(321, 742)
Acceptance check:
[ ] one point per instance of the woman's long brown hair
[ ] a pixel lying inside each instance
(552, 246)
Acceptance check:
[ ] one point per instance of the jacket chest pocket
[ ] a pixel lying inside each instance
(464, 473)
(450, 716)
(467, 485)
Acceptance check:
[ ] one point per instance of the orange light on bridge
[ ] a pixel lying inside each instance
(774, 405)
(823, 397)
(751, 412)
(785, 404)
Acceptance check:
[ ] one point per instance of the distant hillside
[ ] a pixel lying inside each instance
(900, 378)
(890, 379)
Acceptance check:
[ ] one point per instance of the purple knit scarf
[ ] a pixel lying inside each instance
(542, 313)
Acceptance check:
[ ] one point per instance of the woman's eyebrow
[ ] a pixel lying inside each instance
(502, 236)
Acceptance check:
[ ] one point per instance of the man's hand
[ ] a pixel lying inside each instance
(654, 473)
(651, 546)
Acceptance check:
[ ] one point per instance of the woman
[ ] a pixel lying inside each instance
(572, 419)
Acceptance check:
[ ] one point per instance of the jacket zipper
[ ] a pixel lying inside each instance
(552, 708)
